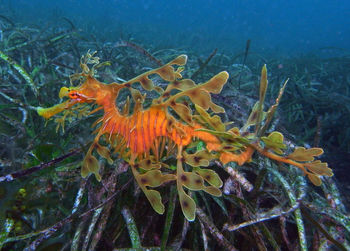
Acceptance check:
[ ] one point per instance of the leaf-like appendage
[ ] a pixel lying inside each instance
(200, 97)
(90, 165)
(199, 94)
(188, 205)
(180, 60)
(183, 111)
(146, 83)
(155, 199)
(213, 191)
(167, 73)
(137, 96)
(216, 108)
(274, 142)
(235, 146)
(199, 119)
(200, 158)
(152, 178)
(203, 113)
(191, 181)
(182, 85)
(252, 117)
(104, 152)
(215, 121)
(178, 71)
(302, 154)
(210, 176)
(315, 179)
(126, 107)
(320, 168)
(147, 164)
(215, 84)
(231, 141)
(155, 178)
(195, 182)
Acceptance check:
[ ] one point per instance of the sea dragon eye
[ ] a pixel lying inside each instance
(73, 95)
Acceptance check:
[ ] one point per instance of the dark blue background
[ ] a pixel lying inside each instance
(284, 27)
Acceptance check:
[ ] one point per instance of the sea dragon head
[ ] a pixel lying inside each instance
(88, 92)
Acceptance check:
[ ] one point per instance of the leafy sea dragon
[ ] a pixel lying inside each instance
(142, 135)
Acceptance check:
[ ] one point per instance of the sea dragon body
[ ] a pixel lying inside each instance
(140, 137)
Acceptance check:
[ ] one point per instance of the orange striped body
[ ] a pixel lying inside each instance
(141, 129)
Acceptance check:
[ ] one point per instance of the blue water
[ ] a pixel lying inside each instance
(282, 27)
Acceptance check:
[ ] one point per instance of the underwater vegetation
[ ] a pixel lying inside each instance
(201, 182)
